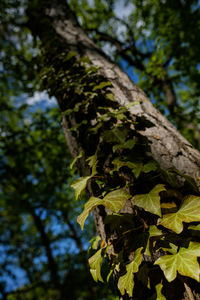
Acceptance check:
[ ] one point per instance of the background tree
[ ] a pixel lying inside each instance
(41, 244)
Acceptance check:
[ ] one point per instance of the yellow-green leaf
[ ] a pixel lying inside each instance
(188, 212)
(150, 166)
(151, 201)
(75, 159)
(95, 263)
(159, 292)
(185, 262)
(114, 200)
(95, 242)
(92, 162)
(102, 85)
(153, 232)
(79, 185)
(89, 206)
(110, 96)
(194, 227)
(127, 145)
(126, 282)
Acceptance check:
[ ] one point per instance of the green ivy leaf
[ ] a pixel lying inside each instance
(75, 159)
(102, 85)
(159, 292)
(95, 263)
(127, 145)
(70, 55)
(110, 96)
(185, 262)
(150, 166)
(126, 282)
(115, 135)
(136, 167)
(172, 248)
(79, 185)
(114, 200)
(151, 201)
(194, 227)
(88, 207)
(188, 212)
(95, 242)
(92, 161)
(153, 232)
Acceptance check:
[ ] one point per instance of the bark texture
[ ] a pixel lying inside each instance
(167, 146)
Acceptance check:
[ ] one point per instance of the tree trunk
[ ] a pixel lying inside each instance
(59, 32)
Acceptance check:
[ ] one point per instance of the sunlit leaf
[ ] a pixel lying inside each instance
(79, 185)
(153, 232)
(102, 85)
(188, 212)
(151, 201)
(184, 262)
(95, 242)
(194, 227)
(75, 159)
(95, 263)
(114, 200)
(126, 282)
(89, 206)
(110, 96)
(159, 292)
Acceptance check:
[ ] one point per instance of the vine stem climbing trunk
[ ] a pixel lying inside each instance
(54, 20)
(168, 146)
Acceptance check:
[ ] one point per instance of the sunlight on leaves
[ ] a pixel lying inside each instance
(114, 200)
(126, 282)
(188, 212)
(95, 263)
(79, 185)
(151, 201)
(185, 262)
(153, 232)
(159, 292)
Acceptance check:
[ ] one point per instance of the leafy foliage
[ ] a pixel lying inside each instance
(95, 263)
(126, 282)
(159, 292)
(166, 61)
(150, 201)
(188, 212)
(114, 200)
(184, 261)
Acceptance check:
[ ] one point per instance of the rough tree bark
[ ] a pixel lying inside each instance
(167, 146)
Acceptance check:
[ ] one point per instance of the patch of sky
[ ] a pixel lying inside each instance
(17, 280)
(123, 8)
(129, 70)
(41, 99)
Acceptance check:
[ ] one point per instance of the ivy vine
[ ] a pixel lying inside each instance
(160, 228)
